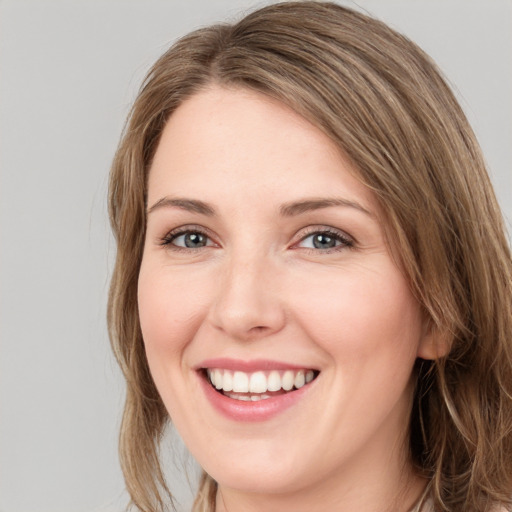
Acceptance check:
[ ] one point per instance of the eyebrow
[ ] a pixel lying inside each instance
(290, 209)
(306, 205)
(191, 205)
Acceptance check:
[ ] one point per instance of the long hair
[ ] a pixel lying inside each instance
(387, 107)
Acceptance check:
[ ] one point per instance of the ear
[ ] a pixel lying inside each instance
(434, 343)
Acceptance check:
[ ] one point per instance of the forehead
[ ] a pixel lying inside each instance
(226, 143)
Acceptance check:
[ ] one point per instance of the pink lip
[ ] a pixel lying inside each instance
(248, 366)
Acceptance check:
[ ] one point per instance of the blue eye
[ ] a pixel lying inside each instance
(187, 240)
(325, 240)
(320, 240)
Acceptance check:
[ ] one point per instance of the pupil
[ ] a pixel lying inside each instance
(323, 242)
(194, 240)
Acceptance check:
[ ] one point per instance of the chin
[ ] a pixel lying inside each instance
(260, 470)
(267, 481)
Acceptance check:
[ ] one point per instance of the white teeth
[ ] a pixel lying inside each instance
(247, 398)
(258, 382)
(240, 382)
(274, 381)
(227, 383)
(287, 380)
(217, 378)
(300, 380)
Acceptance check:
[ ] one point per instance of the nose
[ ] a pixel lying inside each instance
(249, 302)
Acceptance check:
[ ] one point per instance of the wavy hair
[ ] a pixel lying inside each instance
(386, 105)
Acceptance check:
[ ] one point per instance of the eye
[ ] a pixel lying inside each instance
(187, 239)
(191, 240)
(325, 240)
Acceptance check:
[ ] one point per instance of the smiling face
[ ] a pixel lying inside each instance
(265, 267)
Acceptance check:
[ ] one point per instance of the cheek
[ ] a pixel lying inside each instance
(171, 307)
(363, 316)
(369, 324)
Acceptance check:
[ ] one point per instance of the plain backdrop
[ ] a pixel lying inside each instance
(69, 71)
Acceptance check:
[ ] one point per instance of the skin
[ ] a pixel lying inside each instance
(260, 289)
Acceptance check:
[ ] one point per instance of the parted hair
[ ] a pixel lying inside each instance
(385, 104)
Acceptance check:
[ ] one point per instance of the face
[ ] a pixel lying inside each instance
(266, 271)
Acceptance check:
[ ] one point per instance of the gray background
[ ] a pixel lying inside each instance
(68, 73)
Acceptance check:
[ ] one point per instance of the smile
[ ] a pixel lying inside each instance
(259, 385)
(256, 390)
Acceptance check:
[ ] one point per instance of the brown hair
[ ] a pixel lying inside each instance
(385, 104)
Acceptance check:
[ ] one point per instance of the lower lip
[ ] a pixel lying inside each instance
(261, 410)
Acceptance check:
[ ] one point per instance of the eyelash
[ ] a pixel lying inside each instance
(346, 242)
(170, 237)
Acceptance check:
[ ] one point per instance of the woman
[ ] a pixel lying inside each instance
(312, 279)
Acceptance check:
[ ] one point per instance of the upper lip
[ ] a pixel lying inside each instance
(253, 365)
